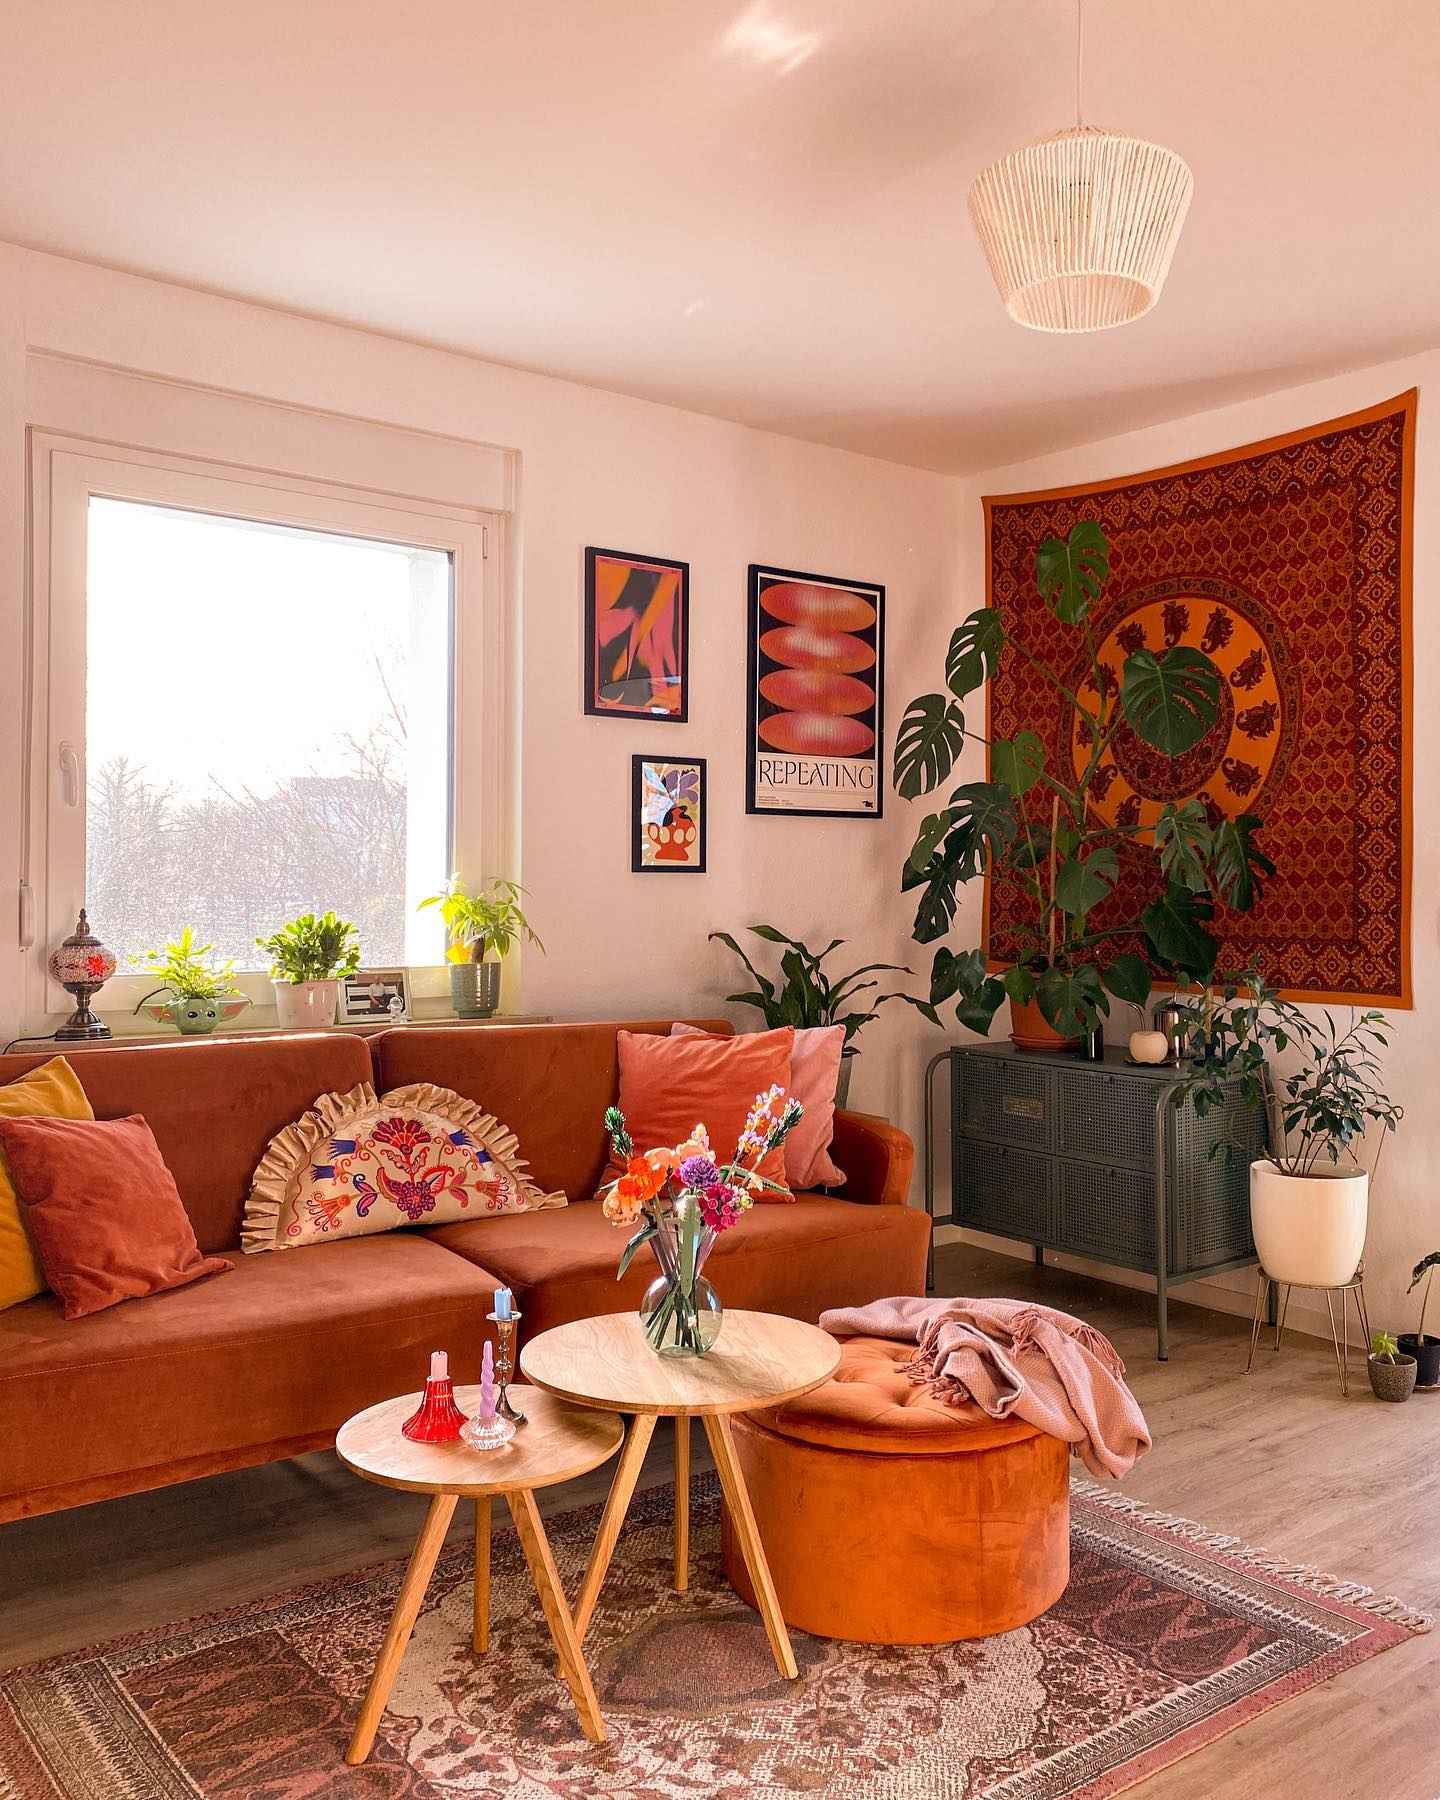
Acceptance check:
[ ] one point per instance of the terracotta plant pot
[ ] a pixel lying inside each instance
(1309, 1229)
(1031, 1030)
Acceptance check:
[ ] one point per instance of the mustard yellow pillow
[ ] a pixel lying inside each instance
(52, 1091)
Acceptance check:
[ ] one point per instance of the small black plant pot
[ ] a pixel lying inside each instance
(1426, 1352)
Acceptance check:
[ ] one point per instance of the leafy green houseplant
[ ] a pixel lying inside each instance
(804, 995)
(1425, 1350)
(309, 956)
(1036, 828)
(1392, 1374)
(482, 926)
(201, 990)
(1309, 1198)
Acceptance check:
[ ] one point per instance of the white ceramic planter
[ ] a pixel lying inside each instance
(301, 1003)
(1309, 1229)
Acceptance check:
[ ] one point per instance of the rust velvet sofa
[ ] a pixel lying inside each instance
(269, 1360)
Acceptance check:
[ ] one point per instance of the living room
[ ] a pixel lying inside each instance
(690, 441)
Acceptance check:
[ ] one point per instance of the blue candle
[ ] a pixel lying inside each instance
(504, 1303)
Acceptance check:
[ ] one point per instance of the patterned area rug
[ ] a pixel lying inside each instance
(1167, 1637)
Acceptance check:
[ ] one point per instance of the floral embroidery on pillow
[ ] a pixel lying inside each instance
(357, 1164)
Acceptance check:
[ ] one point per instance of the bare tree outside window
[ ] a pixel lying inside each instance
(289, 781)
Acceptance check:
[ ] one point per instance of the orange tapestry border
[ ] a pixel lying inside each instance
(1403, 406)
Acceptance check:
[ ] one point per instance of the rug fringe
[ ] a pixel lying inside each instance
(1301, 1575)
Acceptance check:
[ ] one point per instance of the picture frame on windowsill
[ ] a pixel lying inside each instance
(375, 997)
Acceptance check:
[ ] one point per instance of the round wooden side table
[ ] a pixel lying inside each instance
(557, 1443)
(759, 1360)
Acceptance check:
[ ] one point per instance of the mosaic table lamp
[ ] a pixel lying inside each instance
(82, 965)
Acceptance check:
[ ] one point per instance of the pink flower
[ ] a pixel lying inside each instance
(720, 1206)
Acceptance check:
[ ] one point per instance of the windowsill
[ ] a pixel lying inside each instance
(261, 1022)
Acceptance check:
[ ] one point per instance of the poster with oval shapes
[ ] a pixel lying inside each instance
(815, 732)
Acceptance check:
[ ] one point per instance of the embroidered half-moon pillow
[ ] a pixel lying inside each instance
(357, 1163)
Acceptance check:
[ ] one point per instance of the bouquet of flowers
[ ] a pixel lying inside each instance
(682, 1199)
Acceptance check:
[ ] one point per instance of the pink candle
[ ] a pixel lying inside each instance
(487, 1384)
(439, 1365)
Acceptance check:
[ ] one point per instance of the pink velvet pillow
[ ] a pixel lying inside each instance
(814, 1075)
(102, 1210)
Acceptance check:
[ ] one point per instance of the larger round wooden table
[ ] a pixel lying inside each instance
(556, 1443)
(759, 1360)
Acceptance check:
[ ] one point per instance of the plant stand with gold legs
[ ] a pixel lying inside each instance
(1266, 1287)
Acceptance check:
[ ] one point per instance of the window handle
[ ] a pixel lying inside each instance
(69, 773)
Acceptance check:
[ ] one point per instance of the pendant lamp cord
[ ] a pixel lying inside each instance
(1079, 51)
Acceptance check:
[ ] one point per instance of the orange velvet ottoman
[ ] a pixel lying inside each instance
(891, 1518)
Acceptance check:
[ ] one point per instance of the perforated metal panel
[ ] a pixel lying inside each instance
(1004, 1190)
(1210, 1195)
(1106, 1116)
(1007, 1100)
(1108, 1213)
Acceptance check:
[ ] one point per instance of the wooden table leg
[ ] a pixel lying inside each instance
(402, 1622)
(742, 1517)
(632, 1458)
(536, 1546)
(682, 1503)
(481, 1636)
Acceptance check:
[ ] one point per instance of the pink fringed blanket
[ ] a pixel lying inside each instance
(1009, 1356)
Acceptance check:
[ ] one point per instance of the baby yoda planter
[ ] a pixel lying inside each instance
(193, 1017)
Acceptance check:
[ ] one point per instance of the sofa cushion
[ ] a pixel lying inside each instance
(213, 1106)
(52, 1091)
(814, 1076)
(285, 1347)
(549, 1083)
(785, 1259)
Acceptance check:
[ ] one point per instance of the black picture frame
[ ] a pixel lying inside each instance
(759, 791)
(595, 708)
(638, 865)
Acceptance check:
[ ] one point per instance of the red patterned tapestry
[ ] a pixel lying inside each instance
(1288, 563)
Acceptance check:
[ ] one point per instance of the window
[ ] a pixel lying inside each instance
(249, 703)
(267, 731)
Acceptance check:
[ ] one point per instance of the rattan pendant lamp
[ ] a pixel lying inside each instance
(1079, 228)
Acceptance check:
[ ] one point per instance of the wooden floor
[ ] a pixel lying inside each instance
(1279, 1459)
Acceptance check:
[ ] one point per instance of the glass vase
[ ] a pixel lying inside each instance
(680, 1311)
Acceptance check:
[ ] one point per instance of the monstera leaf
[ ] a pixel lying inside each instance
(930, 739)
(1018, 762)
(1170, 700)
(1082, 885)
(940, 880)
(975, 646)
(964, 978)
(1240, 862)
(1070, 572)
(1185, 844)
(1128, 979)
(1175, 925)
(1072, 1000)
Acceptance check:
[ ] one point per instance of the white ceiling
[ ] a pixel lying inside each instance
(755, 208)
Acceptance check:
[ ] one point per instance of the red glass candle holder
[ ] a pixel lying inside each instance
(437, 1420)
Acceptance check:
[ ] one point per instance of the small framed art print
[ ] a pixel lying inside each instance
(637, 636)
(371, 996)
(667, 815)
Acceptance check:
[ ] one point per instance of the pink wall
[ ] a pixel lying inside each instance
(585, 467)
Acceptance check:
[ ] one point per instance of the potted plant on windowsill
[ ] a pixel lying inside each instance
(309, 956)
(807, 998)
(1425, 1350)
(482, 928)
(1041, 831)
(1309, 1199)
(201, 992)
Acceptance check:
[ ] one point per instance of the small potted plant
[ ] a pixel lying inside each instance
(308, 958)
(1392, 1374)
(201, 992)
(1309, 1199)
(806, 997)
(482, 928)
(1425, 1350)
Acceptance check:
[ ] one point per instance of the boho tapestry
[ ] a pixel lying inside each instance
(1288, 563)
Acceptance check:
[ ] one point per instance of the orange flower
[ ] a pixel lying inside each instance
(663, 1162)
(620, 1209)
(642, 1180)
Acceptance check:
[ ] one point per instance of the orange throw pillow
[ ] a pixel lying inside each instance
(814, 1076)
(669, 1084)
(102, 1210)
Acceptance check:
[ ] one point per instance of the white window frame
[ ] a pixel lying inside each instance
(66, 473)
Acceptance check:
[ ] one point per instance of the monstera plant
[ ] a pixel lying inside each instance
(1036, 826)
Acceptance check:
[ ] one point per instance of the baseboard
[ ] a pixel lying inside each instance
(1217, 1294)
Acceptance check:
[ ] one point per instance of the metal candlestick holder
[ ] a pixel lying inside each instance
(505, 1364)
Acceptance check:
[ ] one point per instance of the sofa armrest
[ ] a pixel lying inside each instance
(877, 1157)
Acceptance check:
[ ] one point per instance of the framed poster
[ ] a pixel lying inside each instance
(667, 815)
(815, 723)
(637, 636)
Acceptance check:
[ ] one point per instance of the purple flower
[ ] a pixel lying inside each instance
(699, 1172)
